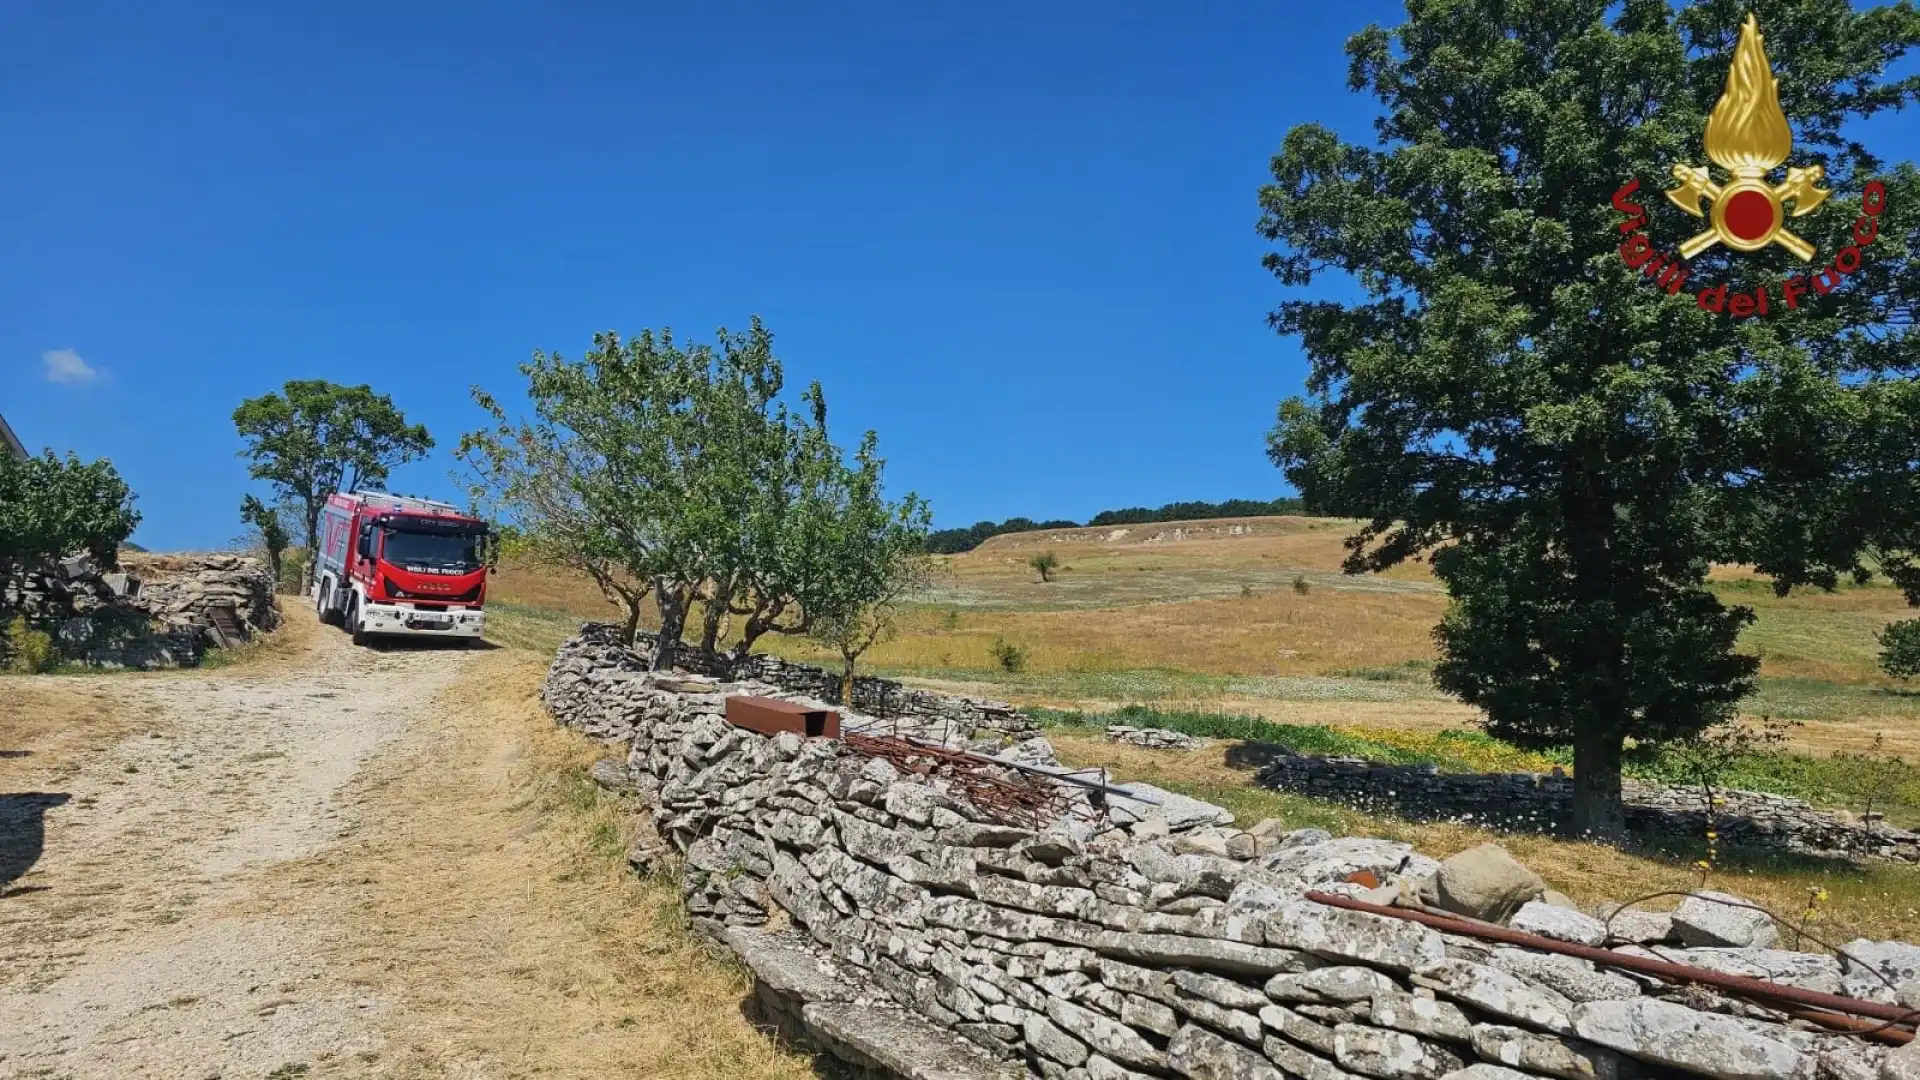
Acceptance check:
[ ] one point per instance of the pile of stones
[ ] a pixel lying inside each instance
(1154, 738)
(1543, 802)
(154, 611)
(892, 923)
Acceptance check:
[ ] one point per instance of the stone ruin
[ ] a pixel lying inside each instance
(154, 611)
(896, 918)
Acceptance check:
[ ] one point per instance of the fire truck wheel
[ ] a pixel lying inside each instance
(359, 624)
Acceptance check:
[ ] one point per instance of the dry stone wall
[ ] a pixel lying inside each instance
(875, 696)
(154, 611)
(893, 923)
(1543, 802)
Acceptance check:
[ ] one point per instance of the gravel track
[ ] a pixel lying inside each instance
(150, 938)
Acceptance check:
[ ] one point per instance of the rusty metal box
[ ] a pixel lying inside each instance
(771, 716)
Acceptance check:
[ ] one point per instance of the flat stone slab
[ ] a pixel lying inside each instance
(784, 963)
(902, 1044)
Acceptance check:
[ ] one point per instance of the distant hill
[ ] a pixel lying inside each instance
(954, 541)
(131, 546)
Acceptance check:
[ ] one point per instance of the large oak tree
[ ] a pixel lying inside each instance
(1572, 446)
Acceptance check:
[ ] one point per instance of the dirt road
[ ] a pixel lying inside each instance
(332, 862)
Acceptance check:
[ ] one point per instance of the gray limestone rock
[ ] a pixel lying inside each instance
(1480, 1070)
(1210, 954)
(1390, 1055)
(1714, 919)
(1902, 1063)
(1303, 864)
(1300, 1063)
(1330, 984)
(1243, 1026)
(1635, 926)
(1355, 935)
(1573, 978)
(1666, 1033)
(1897, 960)
(1422, 1016)
(1216, 989)
(1495, 992)
(1099, 1068)
(1044, 1037)
(1308, 1033)
(1114, 1039)
(1559, 923)
(1808, 971)
(1547, 1055)
(1199, 1054)
(1485, 883)
(900, 1043)
(1136, 1011)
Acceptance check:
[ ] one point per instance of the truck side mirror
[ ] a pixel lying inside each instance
(365, 547)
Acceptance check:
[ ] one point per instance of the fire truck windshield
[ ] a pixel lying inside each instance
(432, 552)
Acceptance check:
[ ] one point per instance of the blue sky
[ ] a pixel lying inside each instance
(1016, 239)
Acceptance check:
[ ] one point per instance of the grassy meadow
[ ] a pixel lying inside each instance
(1245, 631)
(1252, 616)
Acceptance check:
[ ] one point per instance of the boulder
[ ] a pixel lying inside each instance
(1486, 883)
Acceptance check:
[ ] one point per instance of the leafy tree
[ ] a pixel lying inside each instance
(1900, 649)
(673, 474)
(51, 508)
(893, 568)
(1045, 562)
(315, 438)
(273, 531)
(1572, 445)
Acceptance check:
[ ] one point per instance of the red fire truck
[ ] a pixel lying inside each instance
(394, 565)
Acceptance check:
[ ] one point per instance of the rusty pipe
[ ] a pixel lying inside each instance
(1739, 984)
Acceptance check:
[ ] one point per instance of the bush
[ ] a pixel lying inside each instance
(1300, 584)
(1045, 562)
(29, 651)
(1900, 649)
(1011, 658)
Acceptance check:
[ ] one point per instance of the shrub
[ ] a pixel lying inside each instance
(1011, 658)
(29, 651)
(1045, 562)
(1300, 584)
(1900, 649)
(1246, 591)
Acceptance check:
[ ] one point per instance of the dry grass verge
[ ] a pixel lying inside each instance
(490, 902)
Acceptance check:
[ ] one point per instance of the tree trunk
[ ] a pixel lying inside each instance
(716, 611)
(1598, 811)
(313, 544)
(633, 620)
(846, 682)
(673, 617)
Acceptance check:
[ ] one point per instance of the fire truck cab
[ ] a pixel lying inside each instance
(393, 565)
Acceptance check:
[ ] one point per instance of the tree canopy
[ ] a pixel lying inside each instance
(674, 473)
(314, 438)
(51, 508)
(1570, 444)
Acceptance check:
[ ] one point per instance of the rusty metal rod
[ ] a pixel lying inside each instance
(1848, 1025)
(1739, 984)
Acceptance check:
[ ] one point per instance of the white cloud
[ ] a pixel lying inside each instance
(66, 366)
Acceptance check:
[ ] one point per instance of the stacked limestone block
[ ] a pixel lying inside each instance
(910, 934)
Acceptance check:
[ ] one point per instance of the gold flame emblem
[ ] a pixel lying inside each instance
(1747, 136)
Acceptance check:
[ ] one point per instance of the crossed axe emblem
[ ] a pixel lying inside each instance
(1747, 214)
